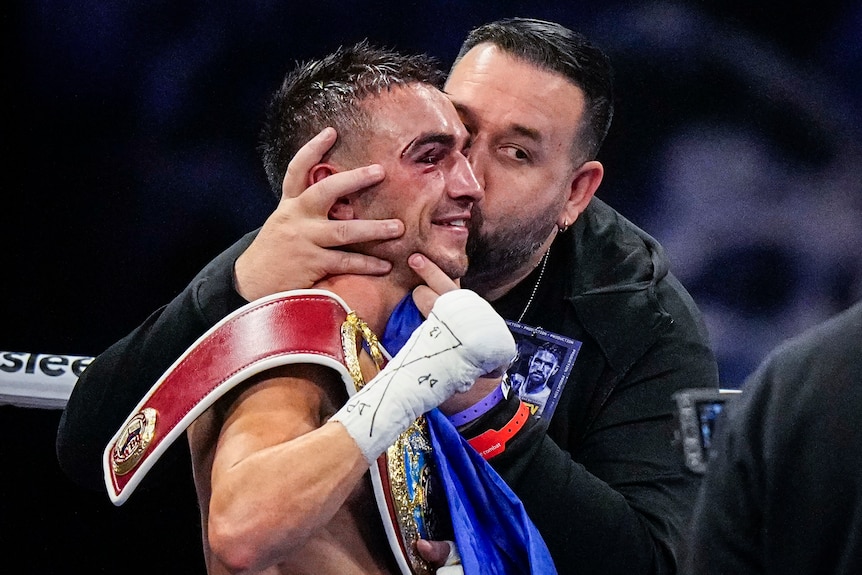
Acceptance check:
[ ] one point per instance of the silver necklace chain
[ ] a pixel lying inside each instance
(536, 287)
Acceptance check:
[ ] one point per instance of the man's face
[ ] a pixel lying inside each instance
(543, 364)
(418, 138)
(522, 122)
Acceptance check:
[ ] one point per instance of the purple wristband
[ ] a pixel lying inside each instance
(477, 409)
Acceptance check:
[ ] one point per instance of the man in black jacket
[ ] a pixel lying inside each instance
(537, 101)
(783, 494)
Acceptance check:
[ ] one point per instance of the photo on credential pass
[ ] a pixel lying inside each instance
(542, 367)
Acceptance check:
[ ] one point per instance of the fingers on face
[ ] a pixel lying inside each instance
(431, 274)
(347, 232)
(323, 194)
(351, 263)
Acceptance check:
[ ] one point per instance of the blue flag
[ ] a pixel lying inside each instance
(492, 529)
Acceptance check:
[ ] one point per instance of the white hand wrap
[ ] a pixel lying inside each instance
(461, 340)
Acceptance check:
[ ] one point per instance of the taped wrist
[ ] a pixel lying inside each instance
(462, 339)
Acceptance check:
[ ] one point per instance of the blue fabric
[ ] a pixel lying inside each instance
(405, 318)
(492, 529)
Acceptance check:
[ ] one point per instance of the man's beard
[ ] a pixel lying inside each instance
(496, 257)
(535, 381)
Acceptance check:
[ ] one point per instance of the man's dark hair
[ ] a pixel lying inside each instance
(329, 92)
(555, 48)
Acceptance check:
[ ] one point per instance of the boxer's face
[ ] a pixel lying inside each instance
(418, 138)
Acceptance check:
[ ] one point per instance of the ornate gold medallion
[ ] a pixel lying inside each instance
(134, 441)
(412, 482)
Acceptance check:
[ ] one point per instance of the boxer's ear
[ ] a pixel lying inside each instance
(342, 209)
(318, 172)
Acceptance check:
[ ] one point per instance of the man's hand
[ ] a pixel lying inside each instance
(436, 282)
(293, 248)
(442, 555)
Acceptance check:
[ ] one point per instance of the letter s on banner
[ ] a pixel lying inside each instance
(39, 380)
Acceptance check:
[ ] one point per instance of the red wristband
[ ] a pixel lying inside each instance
(493, 442)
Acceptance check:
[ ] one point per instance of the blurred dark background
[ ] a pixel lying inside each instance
(129, 138)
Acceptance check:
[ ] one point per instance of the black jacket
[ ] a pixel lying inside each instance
(783, 494)
(603, 480)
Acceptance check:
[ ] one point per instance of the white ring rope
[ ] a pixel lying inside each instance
(41, 380)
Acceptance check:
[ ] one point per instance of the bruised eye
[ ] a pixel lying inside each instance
(431, 157)
(429, 150)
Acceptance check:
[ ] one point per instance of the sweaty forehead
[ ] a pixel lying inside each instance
(426, 102)
(404, 112)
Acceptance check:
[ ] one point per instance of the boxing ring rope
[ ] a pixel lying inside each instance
(39, 380)
(44, 380)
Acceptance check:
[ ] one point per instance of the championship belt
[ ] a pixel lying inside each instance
(294, 327)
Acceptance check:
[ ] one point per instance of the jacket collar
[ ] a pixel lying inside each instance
(616, 267)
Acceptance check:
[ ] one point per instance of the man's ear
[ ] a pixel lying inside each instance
(585, 181)
(342, 209)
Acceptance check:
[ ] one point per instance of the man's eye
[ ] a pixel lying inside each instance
(516, 153)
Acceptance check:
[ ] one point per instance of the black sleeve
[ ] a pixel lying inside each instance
(783, 493)
(117, 379)
(617, 502)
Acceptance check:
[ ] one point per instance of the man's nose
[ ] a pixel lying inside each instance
(463, 182)
(474, 157)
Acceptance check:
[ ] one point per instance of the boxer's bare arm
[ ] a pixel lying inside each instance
(280, 473)
(297, 244)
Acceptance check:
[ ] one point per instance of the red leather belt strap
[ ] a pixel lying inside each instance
(493, 442)
(301, 326)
